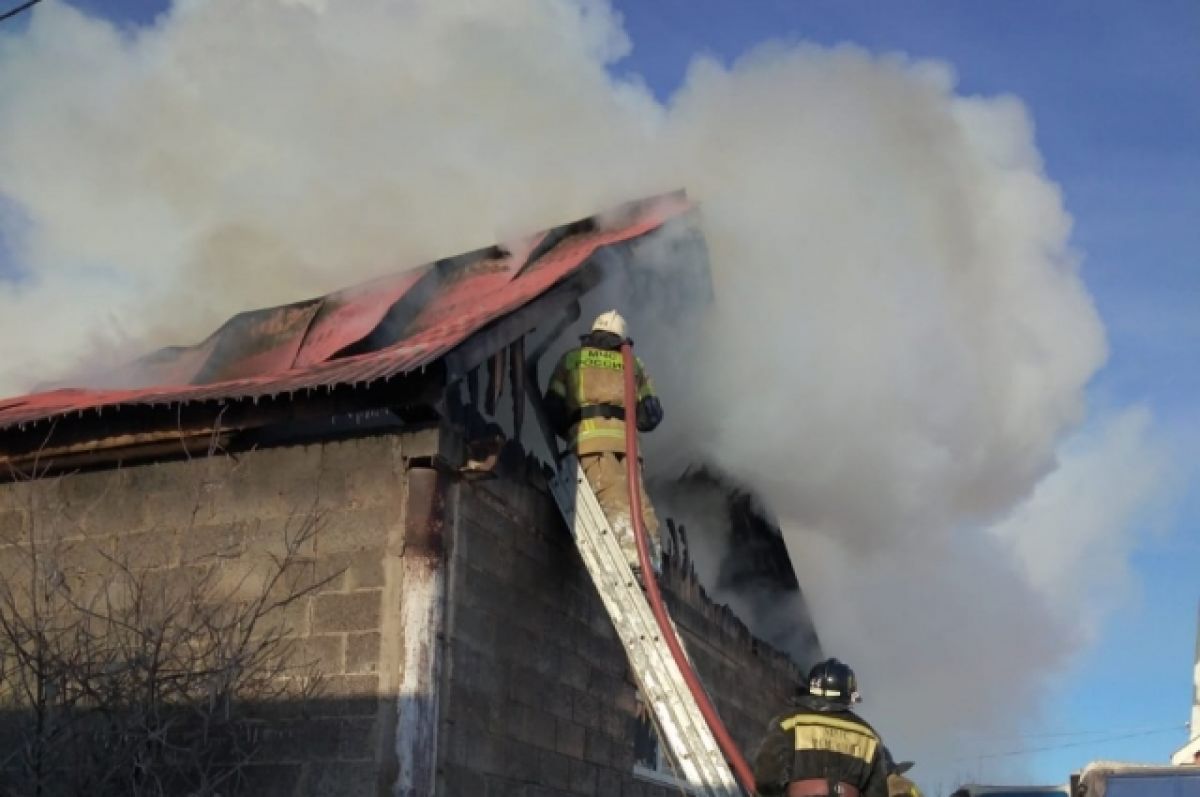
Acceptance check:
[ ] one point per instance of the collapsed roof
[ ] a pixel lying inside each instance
(376, 330)
(452, 313)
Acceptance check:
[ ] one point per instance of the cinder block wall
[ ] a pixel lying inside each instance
(231, 513)
(535, 689)
(537, 693)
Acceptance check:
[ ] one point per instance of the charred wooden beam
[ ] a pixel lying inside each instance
(516, 370)
(473, 388)
(113, 434)
(495, 385)
(560, 300)
(122, 450)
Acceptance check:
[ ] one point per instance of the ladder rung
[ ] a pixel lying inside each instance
(687, 736)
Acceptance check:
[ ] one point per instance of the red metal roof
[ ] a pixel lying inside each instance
(296, 347)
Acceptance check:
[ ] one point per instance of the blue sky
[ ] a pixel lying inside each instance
(1114, 90)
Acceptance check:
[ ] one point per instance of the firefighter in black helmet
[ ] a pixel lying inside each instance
(820, 748)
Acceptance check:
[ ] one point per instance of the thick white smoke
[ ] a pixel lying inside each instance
(899, 343)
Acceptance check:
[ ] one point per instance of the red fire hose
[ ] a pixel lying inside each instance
(633, 466)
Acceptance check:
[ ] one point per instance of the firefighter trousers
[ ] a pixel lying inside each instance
(605, 471)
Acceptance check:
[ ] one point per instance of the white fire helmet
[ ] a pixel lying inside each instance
(610, 322)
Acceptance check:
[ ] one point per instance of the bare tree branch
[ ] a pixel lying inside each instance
(139, 684)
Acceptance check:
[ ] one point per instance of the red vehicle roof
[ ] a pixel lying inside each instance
(321, 342)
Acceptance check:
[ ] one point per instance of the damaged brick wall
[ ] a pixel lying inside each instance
(536, 687)
(231, 512)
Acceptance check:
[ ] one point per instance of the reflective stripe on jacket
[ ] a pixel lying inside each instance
(589, 377)
(834, 746)
(822, 732)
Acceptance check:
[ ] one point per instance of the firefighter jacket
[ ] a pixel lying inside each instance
(820, 739)
(900, 786)
(585, 400)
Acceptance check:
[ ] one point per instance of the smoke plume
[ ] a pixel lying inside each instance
(899, 339)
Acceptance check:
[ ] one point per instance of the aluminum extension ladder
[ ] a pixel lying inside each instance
(686, 734)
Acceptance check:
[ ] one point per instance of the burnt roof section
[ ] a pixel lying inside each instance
(355, 337)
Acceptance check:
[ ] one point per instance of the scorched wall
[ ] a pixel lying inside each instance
(537, 695)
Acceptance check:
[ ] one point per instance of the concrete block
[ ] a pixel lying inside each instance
(98, 501)
(53, 519)
(313, 739)
(543, 550)
(457, 747)
(608, 781)
(339, 779)
(583, 778)
(570, 738)
(271, 780)
(347, 696)
(14, 523)
(350, 685)
(14, 561)
(355, 530)
(295, 618)
(144, 550)
(560, 700)
(554, 770)
(603, 653)
(503, 787)
(463, 780)
(321, 653)
(224, 541)
(365, 569)
(517, 726)
(525, 686)
(362, 652)
(601, 683)
(522, 762)
(81, 559)
(475, 712)
(546, 660)
(480, 587)
(525, 610)
(573, 670)
(491, 753)
(353, 611)
(485, 547)
(540, 727)
(517, 645)
(475, 627)
(358, 739)
(276, 481)
(474, 670)
(625, 699)
(614, 723)
(598, 748)
(586, 709)
(631, 787)
(170, 497)
(277, 536)
(345, 571)
(362, 473)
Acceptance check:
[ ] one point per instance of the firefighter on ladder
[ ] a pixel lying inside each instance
(820, 748)
(585, 405)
